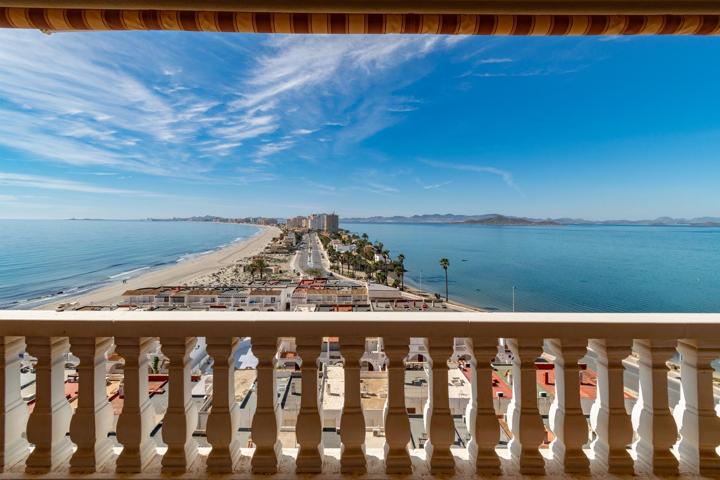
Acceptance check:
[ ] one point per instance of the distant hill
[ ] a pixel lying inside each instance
(503, 220)
(498, 219)
(428, 218)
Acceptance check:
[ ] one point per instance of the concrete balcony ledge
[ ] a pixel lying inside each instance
(454, 324)
(622, 394)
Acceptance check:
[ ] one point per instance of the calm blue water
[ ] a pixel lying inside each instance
(41, 258)
(562, 269)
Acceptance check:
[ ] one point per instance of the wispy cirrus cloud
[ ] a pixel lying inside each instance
(50, 183)
(271, 148)
(67, 100)
(303, 131)
(320, 187)
(435, 186)
(378, 188)
(101, 104)
(490, 61)
(538, 72)
(314, 84)
(505, 175)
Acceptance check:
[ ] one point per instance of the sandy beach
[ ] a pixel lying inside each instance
(177, 274)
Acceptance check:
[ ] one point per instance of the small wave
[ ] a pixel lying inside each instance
(129, 272)
(33, 302)
(190, 256)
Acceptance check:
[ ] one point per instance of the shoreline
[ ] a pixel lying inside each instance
(174, 274)
(410, 291)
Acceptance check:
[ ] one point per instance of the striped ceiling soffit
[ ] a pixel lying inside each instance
(700, 20)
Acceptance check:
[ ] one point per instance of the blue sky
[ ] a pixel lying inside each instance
(137, 124)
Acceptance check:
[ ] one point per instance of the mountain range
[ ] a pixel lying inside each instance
(498, 219)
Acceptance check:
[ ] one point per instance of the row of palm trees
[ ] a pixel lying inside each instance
(362, 261)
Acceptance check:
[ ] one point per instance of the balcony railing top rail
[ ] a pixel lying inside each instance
(627, 352)
(704, 326)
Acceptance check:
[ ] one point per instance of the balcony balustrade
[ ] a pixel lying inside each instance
(651, 439)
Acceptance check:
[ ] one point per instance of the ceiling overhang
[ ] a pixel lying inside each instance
(459, 17)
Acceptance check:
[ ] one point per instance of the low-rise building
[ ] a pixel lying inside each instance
(322, 292)
(265, 300)
(341, 247)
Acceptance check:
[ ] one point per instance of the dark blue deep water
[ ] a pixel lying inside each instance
(562, 269)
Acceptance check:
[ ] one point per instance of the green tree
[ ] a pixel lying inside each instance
(259, 265)
(445, 263)
(401, 261)
(348, 259)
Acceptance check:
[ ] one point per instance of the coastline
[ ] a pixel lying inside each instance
(177, 274)
(410, 292)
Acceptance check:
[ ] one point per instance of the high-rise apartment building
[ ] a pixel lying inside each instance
(320, 222)
(332, 223)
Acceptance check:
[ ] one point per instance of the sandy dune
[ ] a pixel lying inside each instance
(177, 274)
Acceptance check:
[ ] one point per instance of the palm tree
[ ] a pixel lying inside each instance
(347, 259)
(260, 265)
(398, 271)
(401, 261)
(445, 263)
(252, 269)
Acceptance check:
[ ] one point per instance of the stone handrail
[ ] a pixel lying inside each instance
(664, 442)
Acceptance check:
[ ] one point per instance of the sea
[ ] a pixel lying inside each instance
(44, 260)
(575, 268)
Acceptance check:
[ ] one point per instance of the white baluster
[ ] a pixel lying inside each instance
(483, 421)
(181, 416)
(49, 422)
(397, 424)
(352, 422)
(699, 425)
(608, 416)
(655, 426)
(93, 417)
(309, 424)
(224, 419)
(441, 431)
(264, 423)
(137, 418)
(14, 410)
(566, 417)
(523, 414)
